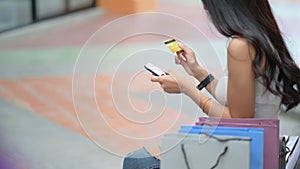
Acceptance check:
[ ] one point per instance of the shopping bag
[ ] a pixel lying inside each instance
(271, 134)
(182, 151)
(256, 134)
(294, 152)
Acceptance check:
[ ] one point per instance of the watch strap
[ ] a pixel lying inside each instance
(205, 82)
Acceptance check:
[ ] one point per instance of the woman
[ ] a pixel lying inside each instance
(261, 72)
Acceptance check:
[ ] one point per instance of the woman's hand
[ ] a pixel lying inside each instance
(175, 83)
(187, 59)
(168, 83)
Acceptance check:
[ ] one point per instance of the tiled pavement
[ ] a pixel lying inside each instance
(55, 116)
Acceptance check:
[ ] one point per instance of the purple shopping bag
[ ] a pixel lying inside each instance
(271, 134)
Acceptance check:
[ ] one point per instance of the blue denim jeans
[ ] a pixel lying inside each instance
(141, 159)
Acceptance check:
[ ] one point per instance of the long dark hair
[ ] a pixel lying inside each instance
(254, 21)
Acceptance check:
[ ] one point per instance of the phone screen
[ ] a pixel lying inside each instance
(154, 70)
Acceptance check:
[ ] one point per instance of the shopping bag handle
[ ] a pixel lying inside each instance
(213, 167)
(220, 156)
(227, 139)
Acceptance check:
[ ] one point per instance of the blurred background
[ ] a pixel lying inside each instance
(73, 91)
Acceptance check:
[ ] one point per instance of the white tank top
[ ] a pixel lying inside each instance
(266, 104)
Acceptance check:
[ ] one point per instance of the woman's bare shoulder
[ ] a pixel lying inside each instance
(241, 49)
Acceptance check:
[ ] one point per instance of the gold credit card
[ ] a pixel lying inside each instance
(173, 45)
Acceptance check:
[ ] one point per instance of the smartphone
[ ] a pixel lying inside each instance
(154, 70)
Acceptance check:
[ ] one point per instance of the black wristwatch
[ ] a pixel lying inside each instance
(205, 82)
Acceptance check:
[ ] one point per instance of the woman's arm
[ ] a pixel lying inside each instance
(209, 107)
(241, 78)
(241, 85)
(175, 84)
(186, 58)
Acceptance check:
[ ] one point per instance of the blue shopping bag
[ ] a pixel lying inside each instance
(256, 134)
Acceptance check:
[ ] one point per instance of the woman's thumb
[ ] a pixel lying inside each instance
(182, 46)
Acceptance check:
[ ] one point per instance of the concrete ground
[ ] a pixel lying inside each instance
(74, 94)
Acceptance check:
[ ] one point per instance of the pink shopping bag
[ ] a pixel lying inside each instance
(271, 134)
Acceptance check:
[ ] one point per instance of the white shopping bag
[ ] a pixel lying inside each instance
(183, 151)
